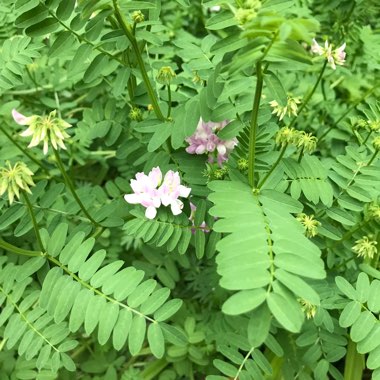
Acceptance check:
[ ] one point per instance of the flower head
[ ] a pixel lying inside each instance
(309, 224)
(135, 114)
(150, 191)
(376, 143)
(16, 178)
(365, 248)
(334, 57)
(165, 75)
(308, 308)
(43, 128)
(205, 140)
(291, 107)
(307, 142)
(287, 136)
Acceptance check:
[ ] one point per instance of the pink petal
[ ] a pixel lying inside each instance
(19, 118)
(132, 198)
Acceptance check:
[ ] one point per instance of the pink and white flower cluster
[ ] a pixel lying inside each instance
(205, 140)
(151, 192)
(334, 57)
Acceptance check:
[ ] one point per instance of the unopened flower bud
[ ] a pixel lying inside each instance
(138, 16)
(150, 107)
(376, 143)
(135, 114)
(165, 75)
(242, 164)
(374, 125)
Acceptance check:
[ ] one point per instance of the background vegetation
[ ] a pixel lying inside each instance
(275, 275)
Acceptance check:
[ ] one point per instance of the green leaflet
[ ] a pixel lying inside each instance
(260, 225)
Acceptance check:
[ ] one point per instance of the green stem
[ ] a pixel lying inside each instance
(169, 101)
(34, 221)
(366, 139)
(253, 130)
(72, 189)
(309, 96)
(19, 251)
(373, 157)
(369, 92)
(300, 156)
(23, 150)
(129, 34)
(260, 185)
(354, 363)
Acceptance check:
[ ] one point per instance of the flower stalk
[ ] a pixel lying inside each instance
(34, 221)
(128, 31)
(262, 182)
(72, 188)
(309, 95)
(254, 126)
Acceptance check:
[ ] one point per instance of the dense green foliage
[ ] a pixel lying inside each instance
(271, 268)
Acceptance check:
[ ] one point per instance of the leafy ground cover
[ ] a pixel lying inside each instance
(189, 189)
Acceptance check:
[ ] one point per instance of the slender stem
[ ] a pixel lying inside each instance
(72, 188)
(373, 157)
(243, 363)
(253, 130)
(34, 221)
(260, 185)
(129, 34)
(366, 139)
(369, 92)
(169, 101)
(300, 156)
(19, 251)
(23, 150)
(309, 95)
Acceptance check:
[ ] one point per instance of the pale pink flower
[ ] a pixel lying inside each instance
(145, 192)
(205, 140)
(150, 191)
(334, 57)
(171, 189)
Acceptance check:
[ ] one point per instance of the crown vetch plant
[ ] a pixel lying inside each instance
(205, 200)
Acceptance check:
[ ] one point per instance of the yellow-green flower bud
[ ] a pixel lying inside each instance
(138, 16)
(374, 125)
(135, 114)
(165, 75)
(307, 142)
(376, 143)
(287, 136)
(49, 129)
(365, 247)
(242, 164)
(308, 308)
(309, 224)
(13, 179)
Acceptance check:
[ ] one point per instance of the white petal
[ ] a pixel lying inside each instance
(184, 191)
(151, 212)
(176, 207)
(133, 199)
